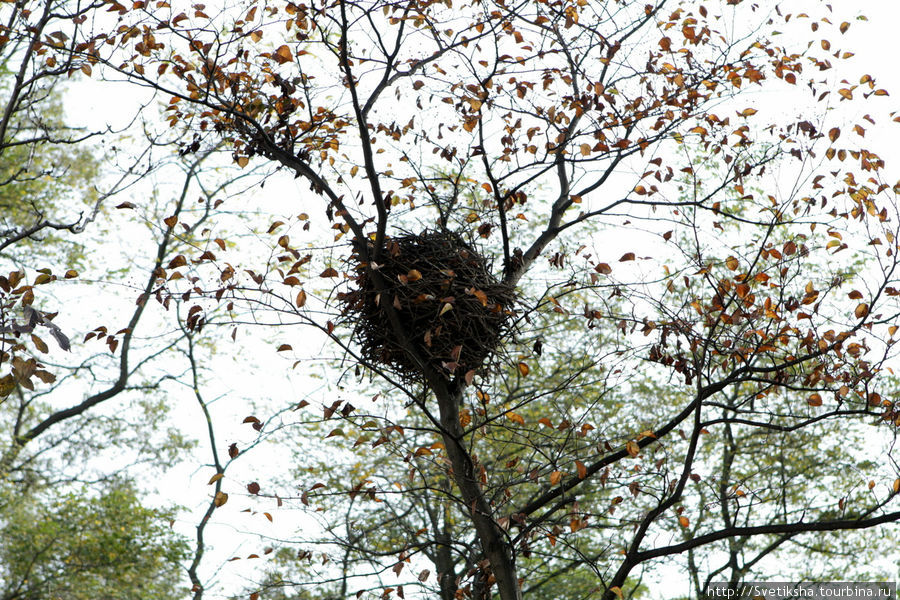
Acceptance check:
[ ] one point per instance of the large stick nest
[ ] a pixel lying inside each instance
(451, 309)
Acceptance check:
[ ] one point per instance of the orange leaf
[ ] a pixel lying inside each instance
(732, 263)
(282, 55)
(301, 299)
(814, 399)
(524, 370)
(683, 521)
(515, 418)
(555, 476)
(582, 470)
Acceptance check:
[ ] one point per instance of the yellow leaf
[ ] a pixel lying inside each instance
(215, 478)
(747, 112)
(524, 370)
(447, 307)
(732, 263)
(897, 486)
(414, 275)
(220, 499)
(585, 149)
(617, 591)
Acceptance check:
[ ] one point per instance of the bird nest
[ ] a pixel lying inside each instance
(451, 311)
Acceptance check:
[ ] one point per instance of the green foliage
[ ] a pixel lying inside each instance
(44, 177)
(82, 547)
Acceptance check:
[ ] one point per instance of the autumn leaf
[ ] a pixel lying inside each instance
(581, 469)
(215, 478)
(220, 499)
(632, 448)
(555, 476)
(524, 369)
(515, 418)
(282, 55)
(684, 521)
(627, 256)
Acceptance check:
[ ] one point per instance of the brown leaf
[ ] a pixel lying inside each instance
(524, 369)
(39, 344)
(220, 499)
(627, 256)
(253, 487)
(282, 55)
(581, 469)
(515, 418)
(632, 448)
(233, 451)
(862, 310)
(215, 478)
(329, 272)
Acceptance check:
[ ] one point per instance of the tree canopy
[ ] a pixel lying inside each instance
(589, 288)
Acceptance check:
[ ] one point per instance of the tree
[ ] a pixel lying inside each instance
(78, 546)
(490, 162)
